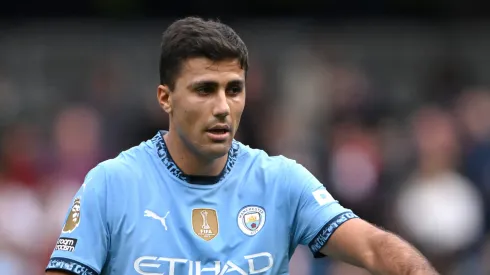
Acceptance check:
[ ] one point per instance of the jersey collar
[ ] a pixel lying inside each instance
(172, 167)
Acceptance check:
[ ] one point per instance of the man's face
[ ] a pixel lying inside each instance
(206, 105)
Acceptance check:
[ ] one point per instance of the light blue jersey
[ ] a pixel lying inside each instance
(140, 214)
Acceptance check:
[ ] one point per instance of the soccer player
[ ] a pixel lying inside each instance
(192, 200)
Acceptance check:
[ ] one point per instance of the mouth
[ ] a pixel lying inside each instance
(219, 133)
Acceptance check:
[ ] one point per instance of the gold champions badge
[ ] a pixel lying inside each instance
(205, 223)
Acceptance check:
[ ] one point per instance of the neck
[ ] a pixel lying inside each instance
(191, 163)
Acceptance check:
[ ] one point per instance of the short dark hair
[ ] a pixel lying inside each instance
(195, 37)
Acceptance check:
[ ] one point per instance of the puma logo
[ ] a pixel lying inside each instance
(152, 215)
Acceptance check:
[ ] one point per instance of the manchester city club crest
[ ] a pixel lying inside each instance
(251, 219)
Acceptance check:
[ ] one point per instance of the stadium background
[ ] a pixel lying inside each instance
(386, 102)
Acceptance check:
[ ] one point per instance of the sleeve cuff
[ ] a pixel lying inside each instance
(71, 266)
(326, 232)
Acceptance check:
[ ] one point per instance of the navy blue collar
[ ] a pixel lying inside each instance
(172, 167)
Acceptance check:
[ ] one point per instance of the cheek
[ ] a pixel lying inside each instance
(188, 118)
(237, 115)
(238, 108)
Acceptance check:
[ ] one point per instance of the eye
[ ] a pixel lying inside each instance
(234, 90)
(204, 90)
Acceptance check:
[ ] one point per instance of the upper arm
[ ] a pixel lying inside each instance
(351, 243)
(316, 214)
(84, 241)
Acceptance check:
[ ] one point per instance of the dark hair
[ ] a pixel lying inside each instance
(194, 37)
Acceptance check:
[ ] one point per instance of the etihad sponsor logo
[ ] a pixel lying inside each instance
(251, 264)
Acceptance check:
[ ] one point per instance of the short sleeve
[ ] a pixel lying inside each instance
(317, 213)
(83, 244)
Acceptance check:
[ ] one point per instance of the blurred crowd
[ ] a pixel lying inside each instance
(396, 126)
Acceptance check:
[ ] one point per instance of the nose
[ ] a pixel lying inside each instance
(221, 107)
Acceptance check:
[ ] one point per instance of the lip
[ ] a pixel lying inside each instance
(220, 127)
(219, 137)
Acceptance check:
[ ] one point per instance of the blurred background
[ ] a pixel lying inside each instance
(387, 102)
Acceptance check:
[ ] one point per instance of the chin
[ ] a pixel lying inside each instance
(217, 150)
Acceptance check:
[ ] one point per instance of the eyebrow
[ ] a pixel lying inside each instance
(236, 82)
(197, 84)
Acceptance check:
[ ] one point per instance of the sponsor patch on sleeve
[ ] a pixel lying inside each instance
(73, 219)
(66, 244)
(323, 197)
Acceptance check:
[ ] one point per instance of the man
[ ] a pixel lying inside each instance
(195, 201)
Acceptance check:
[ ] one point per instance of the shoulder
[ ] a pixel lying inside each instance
(284, 175)
(278, 166)
(262, 160)
(126, 167)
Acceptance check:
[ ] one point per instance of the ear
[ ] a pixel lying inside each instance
(164, 98)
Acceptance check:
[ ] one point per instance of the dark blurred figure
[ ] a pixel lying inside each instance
(76, 148)
(257, 106)
(437, 208)
(77, 135)
(355, 167)
(353, 148)
(21, 160)
(473, 111)
(446, 78)
(21, 216)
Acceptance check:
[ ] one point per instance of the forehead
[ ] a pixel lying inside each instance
(203, 69)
